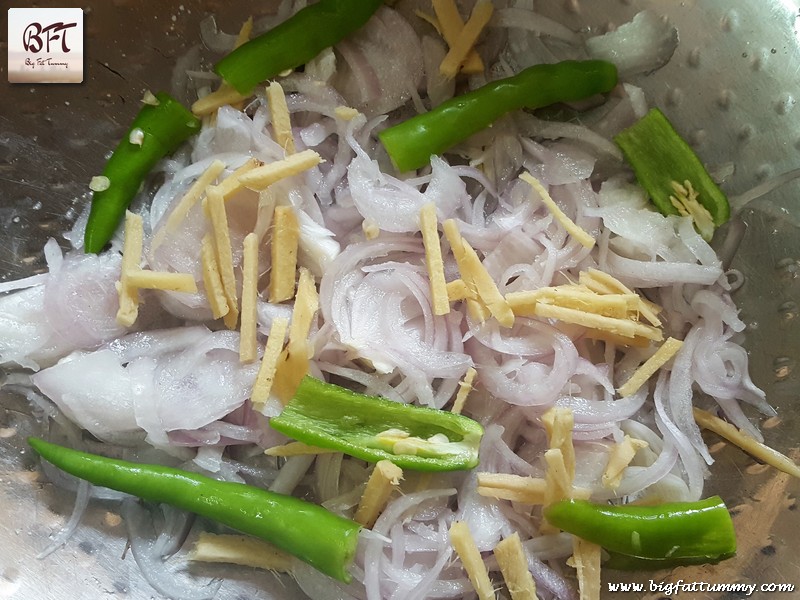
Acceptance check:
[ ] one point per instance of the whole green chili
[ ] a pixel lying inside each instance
(156, 131)
(651, 536)
(660, 158)
(313, 534)
(411, 143)
(372, 428)
(294, 42)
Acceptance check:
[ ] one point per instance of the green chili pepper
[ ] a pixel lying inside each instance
(294, 42)
(311, 533)
(156, 131)
(661, 158)
(372, 428)
(411, 143)
(670, 534)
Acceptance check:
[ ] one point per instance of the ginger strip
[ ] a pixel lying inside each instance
(161, 280)
(464, 388)
(429, 225)
(516, 488)
(461, 37)
(513, 565)
(269, 363)
(603, 283)
(189, 199)
(285, 240)
(131, 257)
(464, 545)
(293, 363)
(279, 114)
(385, 478)
(212, 280)
(240, 550)
(623, 327)
(750, 445)
(265, 175)
(248, 340)
(586, 560)
(581, 235)
(215, 207)
(667, 350)
(231, 184)
(458, 290)
(619, 458)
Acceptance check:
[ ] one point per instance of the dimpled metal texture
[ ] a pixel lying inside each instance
(732, 88)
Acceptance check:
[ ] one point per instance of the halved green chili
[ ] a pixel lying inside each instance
(156, 131)
(294, 42)
(669, 534)
(661, 158)
(372, 428)
(313, 534)
(411, 143)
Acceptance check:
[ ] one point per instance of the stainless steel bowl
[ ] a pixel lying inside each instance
(732, 87)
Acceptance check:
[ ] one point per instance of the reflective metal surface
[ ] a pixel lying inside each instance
(732, 87)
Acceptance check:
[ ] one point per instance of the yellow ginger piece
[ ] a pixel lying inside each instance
(586, 560)
(685, 200)
(583, 237)
(385, 478)
(750, 445)
(476, 309)
(619, 458)
(214, 205)
(514, 566)
(433, 259)
(269, 363)
(279, 114)
(267, 174)
(225, 94)
(189, 199)
(516, 488)
(240, 550)
(667, 350)
(248, 340)
(477, 279)
(232, 184)
(285, 242)
(466, 39)
(464, 388)
(448, 23)
(603, 283)
(212, 280)
(293, 363)
(131, 257)
(464, 545)
(161, 280)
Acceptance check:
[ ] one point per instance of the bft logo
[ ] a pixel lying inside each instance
(45, 45)
(32, 36)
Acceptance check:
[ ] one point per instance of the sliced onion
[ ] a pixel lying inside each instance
(373, 547)
(533, 22)
(155, 570)
(639, 46)
(61, 538)
(213, 38)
